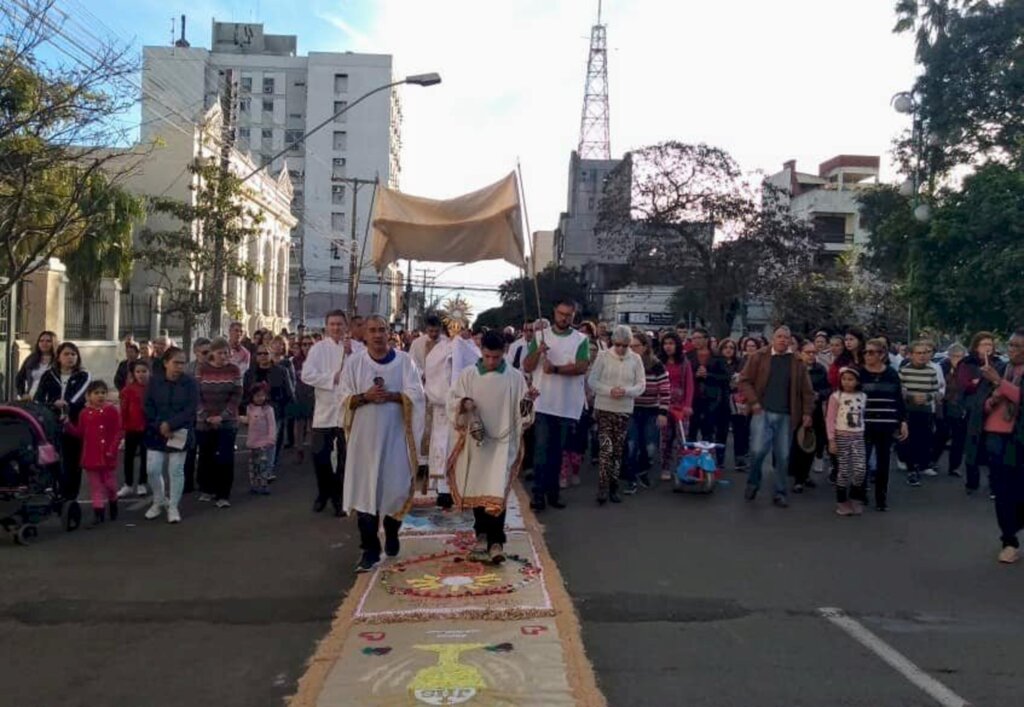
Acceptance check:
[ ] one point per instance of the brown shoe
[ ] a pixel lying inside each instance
(1009, 555)
(479, 552)
(844, 509)
(497, 554)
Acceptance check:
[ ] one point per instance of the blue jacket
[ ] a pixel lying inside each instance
(173, 402)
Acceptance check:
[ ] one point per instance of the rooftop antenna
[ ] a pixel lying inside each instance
(182, 42)
(594, 131)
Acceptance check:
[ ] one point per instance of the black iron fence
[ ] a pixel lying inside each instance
(85, 319)
(137, 312)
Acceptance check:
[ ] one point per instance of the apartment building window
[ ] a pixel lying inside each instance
(338, 163)
(337, 247)
(337, 193)
(243, 133)
(268, 105)
(338, 222)
(340, 140)
(244, 105)
(341, 83)
(299, 83)
(296, 174)
(337, 273)
(268, 85)
(291, 136)
(340, 106)
(268, 133)
(830, 228)
(246, 84)
(295, 116)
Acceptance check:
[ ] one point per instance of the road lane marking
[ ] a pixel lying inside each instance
(896, 660)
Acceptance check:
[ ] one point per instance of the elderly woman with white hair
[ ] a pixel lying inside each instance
(617, 379)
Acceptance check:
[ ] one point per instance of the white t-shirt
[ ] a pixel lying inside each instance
(560, 396)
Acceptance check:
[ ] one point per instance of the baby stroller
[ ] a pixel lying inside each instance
(697, 471)
(30, 472)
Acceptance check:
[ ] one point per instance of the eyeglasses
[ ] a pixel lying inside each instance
(306, 345)
(619, 344)
(262, 353)
(874, 352)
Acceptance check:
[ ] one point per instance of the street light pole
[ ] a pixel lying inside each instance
(416, 79)
(907, 103)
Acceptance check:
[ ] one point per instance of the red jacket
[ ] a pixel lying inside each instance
(100, 431)
(133, 416)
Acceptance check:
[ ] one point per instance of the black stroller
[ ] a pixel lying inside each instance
(30, 472)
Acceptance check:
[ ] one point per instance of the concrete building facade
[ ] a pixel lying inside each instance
(256, 304)
(575, 242)
(828, 199)
(279, 96)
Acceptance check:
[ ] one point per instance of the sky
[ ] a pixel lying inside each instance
(767, 81)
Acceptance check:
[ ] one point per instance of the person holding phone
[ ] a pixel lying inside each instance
(976, 391)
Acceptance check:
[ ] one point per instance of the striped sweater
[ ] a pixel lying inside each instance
(657, 392)
(885, 405)
(220, 392)
(920, 387)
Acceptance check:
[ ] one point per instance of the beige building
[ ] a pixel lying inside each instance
(828, 199)
(165, 173)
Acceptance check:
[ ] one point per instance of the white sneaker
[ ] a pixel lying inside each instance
(124, 491)
(223, 503)
(205, 498)
(154, 511)
(173, 515)
(141, 490)
(901, 466)
(930, 472)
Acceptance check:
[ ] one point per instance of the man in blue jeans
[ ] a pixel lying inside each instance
(778, 390)
(558, 359)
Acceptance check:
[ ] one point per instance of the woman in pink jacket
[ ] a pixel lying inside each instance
(680, 381)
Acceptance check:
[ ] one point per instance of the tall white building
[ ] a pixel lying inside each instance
(279, 96)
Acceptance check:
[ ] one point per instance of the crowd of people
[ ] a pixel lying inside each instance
(460, 413)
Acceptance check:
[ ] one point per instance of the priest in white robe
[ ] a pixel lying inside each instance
(444, 363)
(433, 337)
(489, 408)
(383, 402)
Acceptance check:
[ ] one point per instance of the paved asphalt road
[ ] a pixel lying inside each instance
(223, 609)
(689, 600)
(684, 600)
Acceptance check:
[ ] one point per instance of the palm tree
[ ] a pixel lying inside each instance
(105, 248)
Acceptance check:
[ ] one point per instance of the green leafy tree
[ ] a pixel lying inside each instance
(105, 248)
(682, 213)
(182, 259)
(56, 121)
(970, 93)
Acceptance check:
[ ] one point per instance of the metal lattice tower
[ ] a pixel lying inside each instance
(594, 134)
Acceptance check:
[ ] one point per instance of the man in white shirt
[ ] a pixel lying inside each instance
(421, 346)
(517, 350)
(322, 371)
(558, 358)
(237, 353)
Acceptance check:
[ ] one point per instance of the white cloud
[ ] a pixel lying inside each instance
(802, 79)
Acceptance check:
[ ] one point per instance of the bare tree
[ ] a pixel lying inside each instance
(58, 121)
(686, 215)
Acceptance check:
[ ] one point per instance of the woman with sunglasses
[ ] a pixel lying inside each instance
(617, 378)
(885, 417)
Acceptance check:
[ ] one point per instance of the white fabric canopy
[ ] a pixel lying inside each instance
(483, 225)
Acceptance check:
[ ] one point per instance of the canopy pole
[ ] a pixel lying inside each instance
(533, 246)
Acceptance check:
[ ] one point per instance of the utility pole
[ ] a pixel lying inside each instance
(354, 264)
(408, 294)
(227, 142)
(302, 275)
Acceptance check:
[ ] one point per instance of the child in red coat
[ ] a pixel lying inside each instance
(99, 428)
(133, 421)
